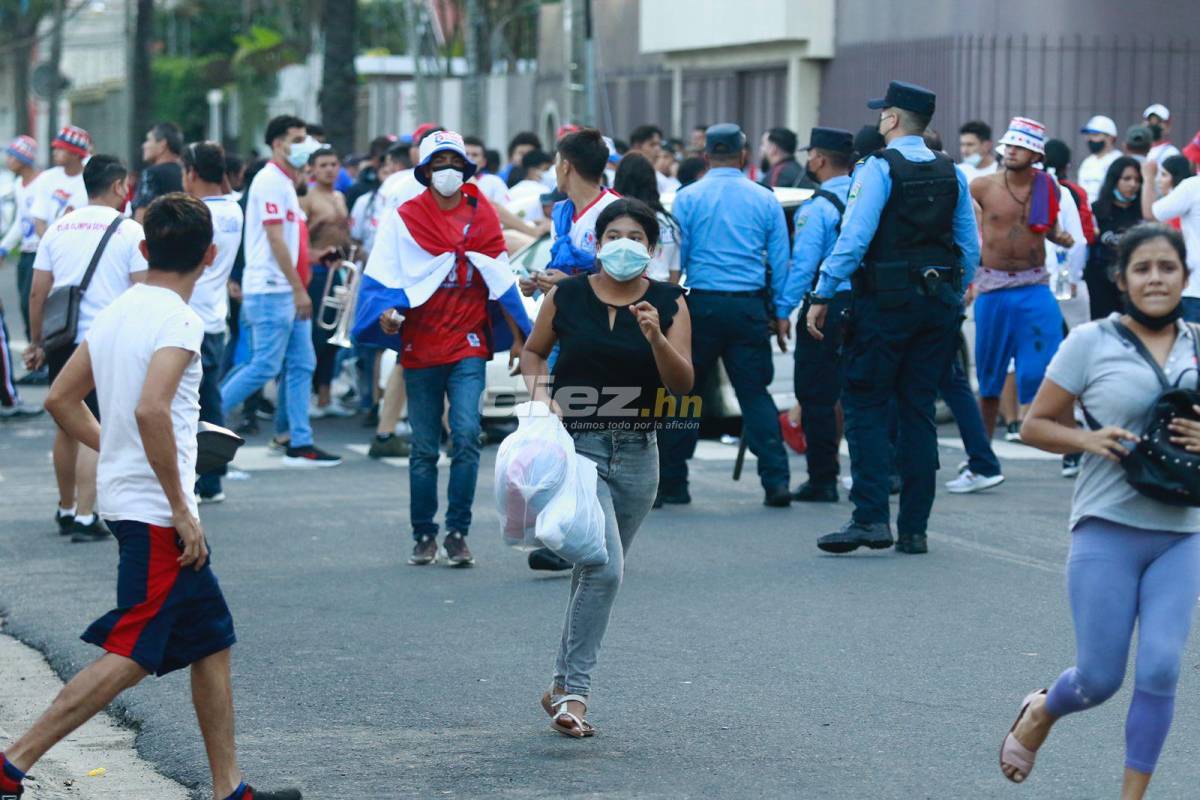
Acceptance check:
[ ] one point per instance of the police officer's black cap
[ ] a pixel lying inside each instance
(907, 96)
(724, 139)
(868, 140)
(835, 140)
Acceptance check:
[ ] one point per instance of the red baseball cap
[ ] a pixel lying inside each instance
(1192, 149)
(422, 129)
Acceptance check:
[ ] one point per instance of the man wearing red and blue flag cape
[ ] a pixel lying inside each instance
(438, 288)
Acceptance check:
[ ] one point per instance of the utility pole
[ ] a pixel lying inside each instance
(416, 40)
(56, 46)
(141, 85)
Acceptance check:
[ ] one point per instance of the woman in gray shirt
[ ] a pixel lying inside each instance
(1133, 559)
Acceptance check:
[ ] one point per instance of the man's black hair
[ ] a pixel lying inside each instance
(644, 133)
(1058, 156)
(636, 210)
(314, 130)
(536, 158)
(233, 164)
(321, 152)
(169, 132)
(398, 152)
(207, 159)
(524, 137)
(178, 232)
(279, 126)
(839, 159)
(493, 160)
(101, 172)
(933, 140)
(977, 128)
(379, 146)
(586, 151)
(785, 139)
(475, 141)
(690, 170)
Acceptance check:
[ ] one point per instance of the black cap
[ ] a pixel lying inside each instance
(868, 140)
(1139, 136)
(832, 139)
(724, 138)
(907, 96)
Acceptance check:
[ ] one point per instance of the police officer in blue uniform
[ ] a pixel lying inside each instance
(910, 246)
(735, 256)
(818, 374)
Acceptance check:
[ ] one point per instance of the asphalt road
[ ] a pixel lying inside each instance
(740, 661)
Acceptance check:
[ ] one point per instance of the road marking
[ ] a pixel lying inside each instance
(364, 450)
(998, 553)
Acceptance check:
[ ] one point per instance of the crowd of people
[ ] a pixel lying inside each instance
(203, 291)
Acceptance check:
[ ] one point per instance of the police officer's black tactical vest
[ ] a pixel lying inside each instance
(917, 223)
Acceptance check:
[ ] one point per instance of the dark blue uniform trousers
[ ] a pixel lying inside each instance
(900, 352)
(735, 330)
(818, 381)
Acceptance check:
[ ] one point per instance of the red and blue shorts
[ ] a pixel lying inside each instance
(167, 617)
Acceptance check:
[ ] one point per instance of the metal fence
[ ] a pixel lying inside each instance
(1057, 80)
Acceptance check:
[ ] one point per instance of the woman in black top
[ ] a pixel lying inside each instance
(1117, 209)
(624, 350)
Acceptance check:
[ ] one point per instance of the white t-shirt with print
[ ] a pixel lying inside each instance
(22, 231)
(494, 189)
(583, 228)
(210, 298)
(124, 338)
(1092, 171)
(272, 201)
(56, 194)
(1184, 202)
(67, 249)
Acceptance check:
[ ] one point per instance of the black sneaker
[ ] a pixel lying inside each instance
(913, 544)
(809, 492)
(1070, 465)
(65, 522)
(278, 794)
(1012, 432)
(854, 535)
(309, 457)
(265, 409)
(547, 560)
(457, 552)
(778, 497)
(674, 497)
(424, 552)
(97, 531)
(390, 446)
(249, 427)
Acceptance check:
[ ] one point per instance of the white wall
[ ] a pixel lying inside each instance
(677, 25)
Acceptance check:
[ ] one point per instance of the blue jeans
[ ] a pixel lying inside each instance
(280, 345)
(428, 387)
(627, 463)
(212, 353)
(956, 391)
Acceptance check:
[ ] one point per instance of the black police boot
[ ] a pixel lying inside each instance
(778, 497)
(914, 544)
(809, 492)
(546, 559)
(853, 535)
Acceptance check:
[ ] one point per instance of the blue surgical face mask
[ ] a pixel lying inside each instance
(1122, 198)
(624, 259)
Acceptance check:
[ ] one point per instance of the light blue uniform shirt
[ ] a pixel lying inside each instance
(816, 234)
(730, 228)
(868, 195)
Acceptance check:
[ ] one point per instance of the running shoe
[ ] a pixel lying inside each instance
(278, 794)
(96, 531)
(20, 411)
(265, 409)
(457, 552)
(337, 410)
(1012, 432)
(425, 551)
(210, 499)
(389, 447)
(310, 457)
(1070, 465)
(969, 482)
(65, 522)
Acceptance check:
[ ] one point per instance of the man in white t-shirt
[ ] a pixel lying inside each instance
(203, 166)
(142, 358)
(975, 146)
(1157, 118)
(21, 155)
(275, 301)
(60, 190)
(63, 256)
(1183, 202)
(1101, 133)
(496, 191)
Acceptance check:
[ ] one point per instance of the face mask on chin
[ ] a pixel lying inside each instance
(1152, 322)
(446, 180)
(973, 159)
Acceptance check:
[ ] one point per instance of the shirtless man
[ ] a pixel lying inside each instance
(328, 235)
(1016, 315)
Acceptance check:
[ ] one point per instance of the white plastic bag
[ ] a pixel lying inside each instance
(546, 492)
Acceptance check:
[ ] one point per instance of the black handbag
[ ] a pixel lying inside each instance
(1156, 467)
(60, 313)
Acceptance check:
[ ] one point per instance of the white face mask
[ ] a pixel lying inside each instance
(973, 159)
(446, 181)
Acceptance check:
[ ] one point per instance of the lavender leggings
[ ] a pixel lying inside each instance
(1118, 575)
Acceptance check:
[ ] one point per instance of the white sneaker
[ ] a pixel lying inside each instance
(336, 410)
(317, 412)
(204, 500)
(969, 482)
(403, 429)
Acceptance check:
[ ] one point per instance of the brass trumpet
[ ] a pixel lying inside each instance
(340, 299)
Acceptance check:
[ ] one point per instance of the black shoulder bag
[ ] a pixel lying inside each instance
(1156, 467)
(60, 314)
